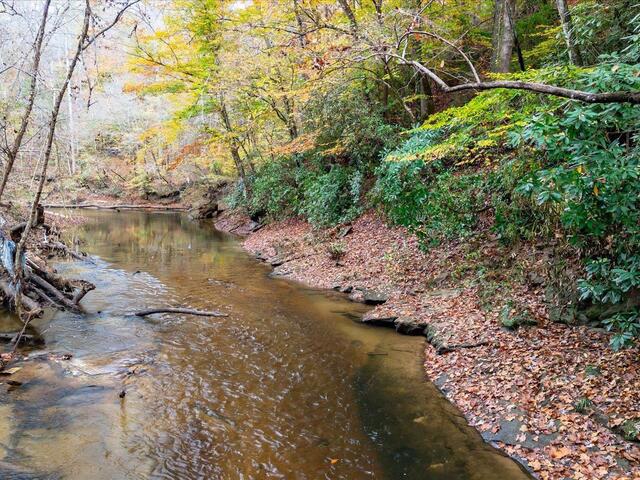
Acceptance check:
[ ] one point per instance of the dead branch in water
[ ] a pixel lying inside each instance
(66, 250)
(34, 310)
(188, 311)
(55, 293)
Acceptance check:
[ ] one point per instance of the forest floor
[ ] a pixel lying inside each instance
(553, 396)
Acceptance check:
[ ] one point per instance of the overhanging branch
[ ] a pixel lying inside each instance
(542, 88)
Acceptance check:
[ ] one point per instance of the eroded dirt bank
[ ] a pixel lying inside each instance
(554, 396)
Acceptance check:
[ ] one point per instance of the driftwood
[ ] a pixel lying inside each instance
(66, 250)
(45, 297)
(48, 288)
(34, 310)
(55, 293)
(188, 311)
(98, 206)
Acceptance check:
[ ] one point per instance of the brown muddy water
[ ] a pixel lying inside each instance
(288, 386)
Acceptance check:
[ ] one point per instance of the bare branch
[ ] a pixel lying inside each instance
(445, 41)
(580, 95)
(116, 19)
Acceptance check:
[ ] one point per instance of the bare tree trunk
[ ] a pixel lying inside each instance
(503, 36)
(302, 39)
(567, 29)
(516, 40)
(47, 155)
(234, 147)
(426, 98)
(72, 152)
(12, 153)
(346, 8)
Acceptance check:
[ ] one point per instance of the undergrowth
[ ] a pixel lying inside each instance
(518, 165)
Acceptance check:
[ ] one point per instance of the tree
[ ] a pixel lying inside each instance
(567, 29)
(83, 42)
(503, 36)
(12, 152)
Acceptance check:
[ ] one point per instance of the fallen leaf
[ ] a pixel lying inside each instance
(559, 453)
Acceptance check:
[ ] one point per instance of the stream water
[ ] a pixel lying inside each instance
(288, 386)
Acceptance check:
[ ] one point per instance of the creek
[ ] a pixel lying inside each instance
(287, 386)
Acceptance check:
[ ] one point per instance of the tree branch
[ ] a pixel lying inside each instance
(116, 19)
(580, 95)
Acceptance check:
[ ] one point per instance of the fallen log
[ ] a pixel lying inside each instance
(66, 250)
(188, 311)
(45, 297)
(55, 293)
(80, 293)
(75, 290)
(97, 206)
(10, 294)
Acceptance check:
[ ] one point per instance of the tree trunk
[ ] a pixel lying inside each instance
(426, 98)
(503, 36)
(302, 38)
(292, 125)
(348, 11)
(17, 142)
(47, 156)
(567, 29)
(233, 147)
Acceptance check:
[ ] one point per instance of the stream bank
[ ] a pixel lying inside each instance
(548, 395)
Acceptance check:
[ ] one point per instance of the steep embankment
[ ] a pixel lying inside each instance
(555, 396)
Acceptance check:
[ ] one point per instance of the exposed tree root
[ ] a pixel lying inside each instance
(40, 286)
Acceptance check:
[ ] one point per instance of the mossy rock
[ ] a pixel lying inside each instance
(513, 319)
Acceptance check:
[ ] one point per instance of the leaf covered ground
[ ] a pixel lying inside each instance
(554, 396)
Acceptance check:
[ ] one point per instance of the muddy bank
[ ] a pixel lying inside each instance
(554, 396)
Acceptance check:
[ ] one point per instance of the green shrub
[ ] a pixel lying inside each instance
(336, 250)
(582, 405)
(350, 129)
(590, 184)
(627, 324)
(402, 191)
(276, 189)
(333, 197)
(604, 27)
(433, 206)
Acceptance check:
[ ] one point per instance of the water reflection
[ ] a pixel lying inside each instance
(286, 387)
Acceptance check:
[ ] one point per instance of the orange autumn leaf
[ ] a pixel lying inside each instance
(559, 453)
